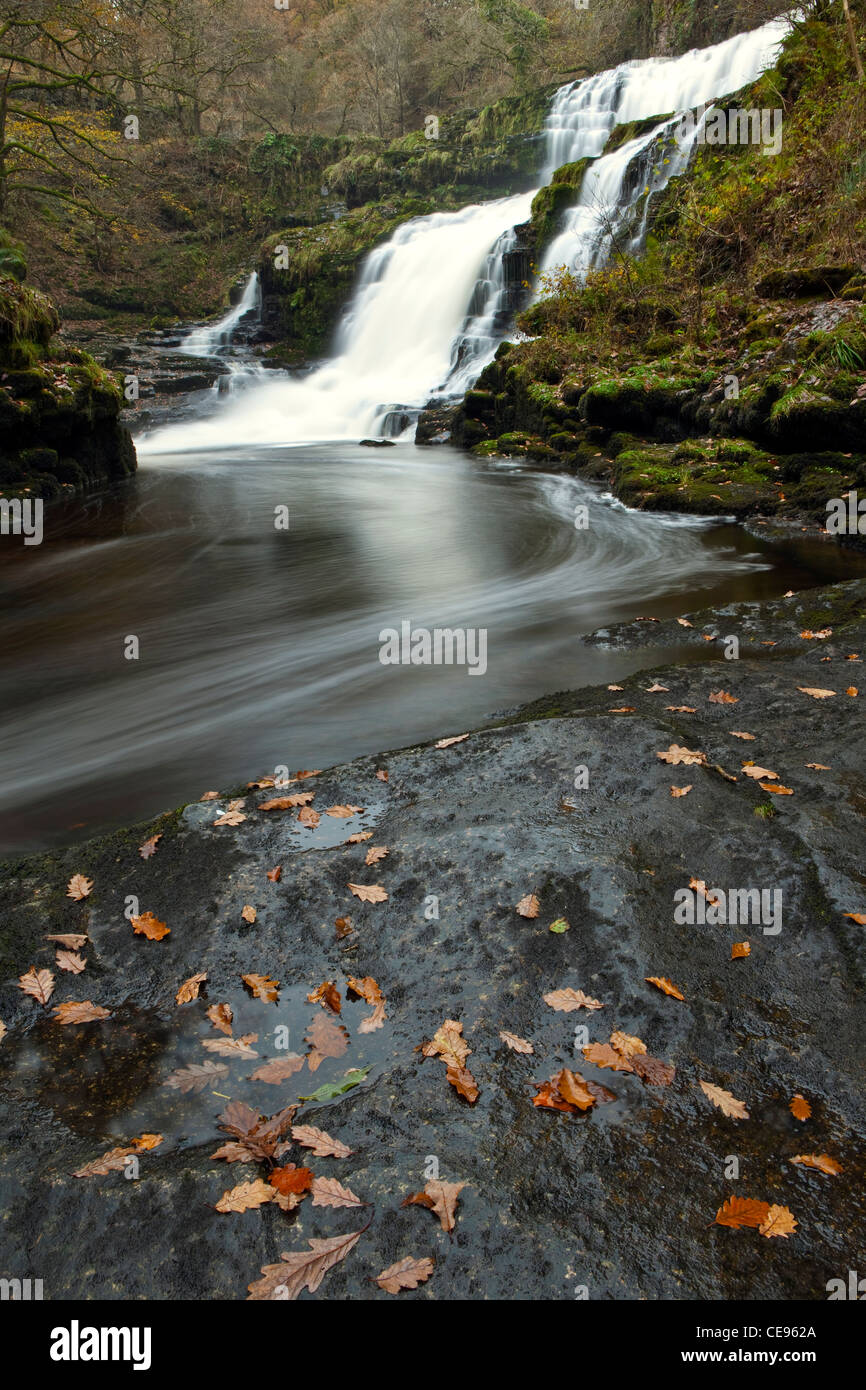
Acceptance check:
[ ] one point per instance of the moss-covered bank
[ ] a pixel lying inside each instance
(60, 429)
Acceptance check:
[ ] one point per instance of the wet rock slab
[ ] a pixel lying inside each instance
(620, 1199)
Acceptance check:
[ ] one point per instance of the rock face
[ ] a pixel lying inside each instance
(619, 1200)
(60, 429)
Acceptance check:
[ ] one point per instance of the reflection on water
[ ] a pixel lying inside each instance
(259, 647)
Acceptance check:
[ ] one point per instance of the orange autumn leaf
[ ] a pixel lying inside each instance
(248, 913)
(603, 1055)
(800, 1107)
(326, 1039)
(291, 1179)
(681, 791)
(149, 847)
(822, 1162)
(39, 984)
(327, 995)
(858, 917)
(359, 837)
(779, 1221)
(728, 1104)
(189, 990)
(369, 892)
(275, 874)
(342, 812)
(68, 960)
(375, 853)
(79, 887)
(279, 1069)
(528, 906)
(286, 803)
(221, 1017)
(740, 949)
(448, 742)
(515, 1043)
(302, 1269)
(627, 1045)
(742, 1211)
(776, 788)
(816, 692)
(85, 1012)
(723, 697)
(441, 1198)
(677, 756)
(262, 987)
(322, 1145)
(567, 1000)
(150, 926)
(307, 816)
(246, 1196)
(664, 985)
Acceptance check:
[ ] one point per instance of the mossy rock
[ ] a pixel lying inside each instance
(812, 282)
(630, 130)
(550, 202)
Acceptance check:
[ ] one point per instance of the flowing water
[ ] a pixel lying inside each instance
(259, 646)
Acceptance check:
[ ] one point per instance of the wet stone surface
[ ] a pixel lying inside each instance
(619, 1199)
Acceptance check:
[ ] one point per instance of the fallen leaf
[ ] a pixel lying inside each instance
(815, 692)
(326, 1039)
(149, 846)
(655, 688)
(308, 817)
(72, 941)
(776, 788)
(322, 1144)
(449, 1045)
(342, 812)
(681, 791)
(723, 697)
(623, 709)
(85, 1012)
(279, 1068)
(304, 1269)
(79, 887)
(369, 892)
(368, 990)
(616, 687)
(301, 776)
(375, 853)
(740, 949)
(447, 742)
(196, 1076)
(800, 1107)
(248, 913)
(328, 1192)
(221, 1016)
(822, 1162)
(515, 1043)
(405, 1274)
(810, 636)
(652, 1070)
(528, 906)
(779, 1221)
(559, 926)
(604, 1055)
(275, 874)
(683, 622)
(209, 796)
(627, 1045)
(819, 767)
(442, 1198)
(39, 984)
(567, 1000)
(190, 988)
(728, 1104)
(675, 755)
(150, 926)
(286, 803)
(681, 709)
(110, 1162)
(359, 836)
(752, 770)
(738, 733)
(291, 1179)
(381, 774)
(742, 1211)
(262, 987)
(329, 1090)
(327, 995)
(664, 985)
(344, 927)
(852, 691)
(245, 1196)
(232, 1047)
(858, 917)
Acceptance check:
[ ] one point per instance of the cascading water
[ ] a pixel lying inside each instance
(430, 305)
(215, 339)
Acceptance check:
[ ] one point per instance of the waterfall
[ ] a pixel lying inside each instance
(213, 339)
(431, 305)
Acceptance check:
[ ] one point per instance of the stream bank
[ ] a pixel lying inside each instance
(619, 1200)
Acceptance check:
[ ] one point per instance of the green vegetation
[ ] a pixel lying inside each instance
(732, 353)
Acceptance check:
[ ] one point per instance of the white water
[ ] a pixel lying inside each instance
(214, 339)
(424, 315)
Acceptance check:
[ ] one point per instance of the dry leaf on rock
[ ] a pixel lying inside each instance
(196, 1076)
(189, 990)
(664, 985)
(149, 847)
(150, 926)
(728, 1104)
(677, 756)
(303, 1269)
(85, 1012)
(262, 987)
(221, 1016)
(779, 1221)
(369, 892)
(79, 887)
(822, 1162)
(742, 1211)
(405, 1274)
(327, 995)
(70, 940)
(528, 906)
(322, 1145)
(39, 984)
(328, 1192)
(441, 1198)
(567, 1000)
(447, 742)
(245, 1196)
(515, 1043)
